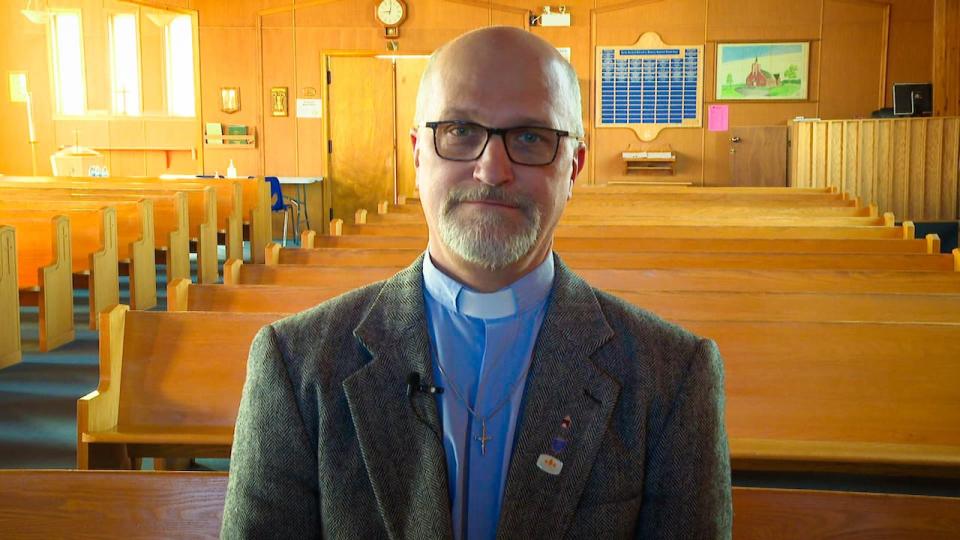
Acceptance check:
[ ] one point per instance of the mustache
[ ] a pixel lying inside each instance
(485, 193)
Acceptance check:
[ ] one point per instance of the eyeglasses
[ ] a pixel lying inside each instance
(465, 141)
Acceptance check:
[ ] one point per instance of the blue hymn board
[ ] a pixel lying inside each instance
(648, 87)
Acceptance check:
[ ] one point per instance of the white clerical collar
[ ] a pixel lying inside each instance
(521, 295)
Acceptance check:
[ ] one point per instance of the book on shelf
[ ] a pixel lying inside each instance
(235, 129)
(214, 132)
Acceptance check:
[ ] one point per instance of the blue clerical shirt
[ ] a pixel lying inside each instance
(484, 341)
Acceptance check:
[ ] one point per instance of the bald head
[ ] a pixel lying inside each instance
(487, 57)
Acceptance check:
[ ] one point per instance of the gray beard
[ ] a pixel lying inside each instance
(487, 239)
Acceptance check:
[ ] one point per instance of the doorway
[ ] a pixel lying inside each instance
(371, 102)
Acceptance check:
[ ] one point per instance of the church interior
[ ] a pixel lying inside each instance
(780, 176)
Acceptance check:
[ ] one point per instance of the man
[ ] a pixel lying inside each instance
(564, 412)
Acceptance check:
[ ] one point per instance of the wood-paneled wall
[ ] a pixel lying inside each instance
(258, 44)
(946, 57)
(905, 166)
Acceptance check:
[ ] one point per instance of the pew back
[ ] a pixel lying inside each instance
(916, 262)
(672, 305)
(127, 504)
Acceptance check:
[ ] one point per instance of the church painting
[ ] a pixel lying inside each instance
(762, 71)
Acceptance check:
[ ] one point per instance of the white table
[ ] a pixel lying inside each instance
(301, 182)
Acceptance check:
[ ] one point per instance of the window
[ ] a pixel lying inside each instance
(125, 64)
(67, 47)
(180, 80)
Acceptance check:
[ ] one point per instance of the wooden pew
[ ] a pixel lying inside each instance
(10, 349)
(930, 244)
(135, 237)
(45, 277)
(38, 504)
(917, 262)
(202, 205)
(126, 504)
(171, 219)
(753, 280)
(176, 402)
(688, 216)
(873, 398)
(620, 209)
(93, 249)
(877, 413)
(672, 305)
(662, 229)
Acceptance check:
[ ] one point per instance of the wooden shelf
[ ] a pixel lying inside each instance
(640, 162)
(231, 142)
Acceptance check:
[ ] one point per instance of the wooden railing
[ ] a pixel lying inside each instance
(906, 166)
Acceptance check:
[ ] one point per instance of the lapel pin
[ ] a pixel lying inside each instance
(558, 444)
(549, 464)
(565, 423)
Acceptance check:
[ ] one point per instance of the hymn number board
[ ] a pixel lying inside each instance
(649, 86)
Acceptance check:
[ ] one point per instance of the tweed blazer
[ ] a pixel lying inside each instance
(328, 444)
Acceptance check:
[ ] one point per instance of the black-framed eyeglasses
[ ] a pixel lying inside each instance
(457, 140)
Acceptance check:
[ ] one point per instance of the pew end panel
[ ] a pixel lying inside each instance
(933, 243)
(308, 239)
(231, 271)
(360, 217)
(104, 269)
(55, 299)
(143, 275)
(336, 227)
(10, 347)
(98, 410)
(178, 247)
(177, 294)
(234, 231)
(207, 271)
(272, 254)
(261, 226)
(909, 230)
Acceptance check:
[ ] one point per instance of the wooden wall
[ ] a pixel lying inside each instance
(257, 44)
(176, 140)
(946, 57)
(905, 166)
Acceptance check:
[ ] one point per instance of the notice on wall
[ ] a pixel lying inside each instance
(309, 108)
(718, 118)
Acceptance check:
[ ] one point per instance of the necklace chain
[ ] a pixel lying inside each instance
(484, 438)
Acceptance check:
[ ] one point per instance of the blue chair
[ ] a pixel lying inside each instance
(283, 204)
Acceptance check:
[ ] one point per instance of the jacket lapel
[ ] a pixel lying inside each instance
(400, 438)
(563, 382)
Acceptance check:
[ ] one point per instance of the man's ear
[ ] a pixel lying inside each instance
(579, 160)
(416, 149)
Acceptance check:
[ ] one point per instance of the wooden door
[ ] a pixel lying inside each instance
(758, 156)
(360, 95)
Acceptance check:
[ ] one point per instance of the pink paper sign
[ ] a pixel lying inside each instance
(719, 118)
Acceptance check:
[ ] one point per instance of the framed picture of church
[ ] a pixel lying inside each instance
(776, 71)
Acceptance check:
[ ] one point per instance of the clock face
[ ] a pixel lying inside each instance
(390, 12)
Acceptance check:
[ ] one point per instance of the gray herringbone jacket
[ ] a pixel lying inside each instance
(329, 445)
